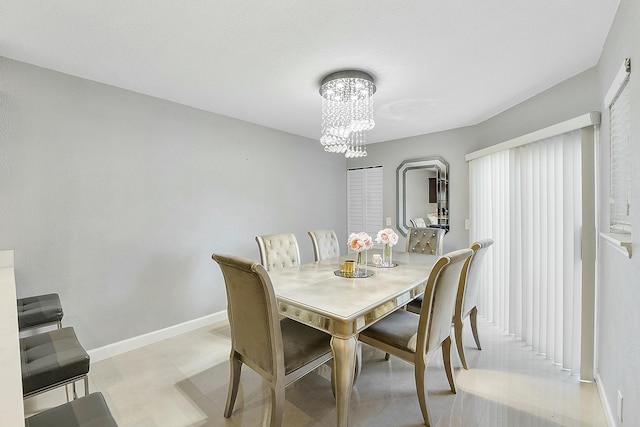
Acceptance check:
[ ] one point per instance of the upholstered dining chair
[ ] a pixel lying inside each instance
(418, 223)
(281, 351)
(425, 240)
(468, 296)
(278, 250)
(415, 338)
(325, 244)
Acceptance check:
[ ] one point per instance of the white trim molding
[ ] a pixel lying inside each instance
(129, 344)
(619, 241)
(606, 408)
(589, 119)
(618, 82)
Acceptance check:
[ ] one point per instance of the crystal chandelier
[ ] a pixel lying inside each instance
(347, 112)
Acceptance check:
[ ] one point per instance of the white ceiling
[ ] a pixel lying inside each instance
(438, 64)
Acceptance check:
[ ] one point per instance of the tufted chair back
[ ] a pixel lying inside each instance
(325, 244)
(278, 250)
(426, 240)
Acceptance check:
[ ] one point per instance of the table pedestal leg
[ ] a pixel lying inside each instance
(344, 360)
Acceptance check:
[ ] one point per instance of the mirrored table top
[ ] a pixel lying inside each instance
(313, 294)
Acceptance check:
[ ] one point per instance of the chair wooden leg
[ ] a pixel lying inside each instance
(474, 325)
(457, 327)
(235, 366)
(277, 405)
(421, 388)
(86, 385)
(446, 356)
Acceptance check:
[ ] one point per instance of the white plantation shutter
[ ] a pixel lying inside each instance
(364, 200)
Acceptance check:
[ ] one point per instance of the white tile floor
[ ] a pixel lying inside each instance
(182, 382)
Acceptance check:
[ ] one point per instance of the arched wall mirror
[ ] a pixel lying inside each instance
(422, 193)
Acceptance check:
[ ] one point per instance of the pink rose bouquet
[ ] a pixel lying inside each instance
(359, 242)
(387, 237)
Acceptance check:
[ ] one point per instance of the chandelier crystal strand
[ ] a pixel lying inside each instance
(347, 112)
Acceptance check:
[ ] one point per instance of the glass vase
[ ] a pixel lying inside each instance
(387, 255)
(361, 264)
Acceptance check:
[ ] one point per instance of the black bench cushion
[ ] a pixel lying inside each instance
(50, 358)
(87, 411)
(39, 310)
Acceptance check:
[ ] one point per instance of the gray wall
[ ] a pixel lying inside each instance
(618, 338)
(117, 200)
(566, 100)
(451, 146)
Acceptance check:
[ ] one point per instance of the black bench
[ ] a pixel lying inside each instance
(40, 310)
(52, 359)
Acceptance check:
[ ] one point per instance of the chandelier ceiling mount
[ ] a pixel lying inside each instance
(347, 112)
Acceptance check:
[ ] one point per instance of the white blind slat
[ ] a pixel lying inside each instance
(620, 132)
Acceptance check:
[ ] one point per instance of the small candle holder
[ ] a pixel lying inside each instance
(377, 260)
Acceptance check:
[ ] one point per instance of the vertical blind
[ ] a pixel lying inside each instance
(364, 200)
(528, 199)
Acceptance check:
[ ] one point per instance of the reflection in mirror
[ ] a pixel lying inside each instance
(422, 197)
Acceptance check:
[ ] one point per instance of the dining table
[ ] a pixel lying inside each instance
(316, 295)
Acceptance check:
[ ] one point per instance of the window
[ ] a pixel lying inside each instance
(364, 200)
(618, 103)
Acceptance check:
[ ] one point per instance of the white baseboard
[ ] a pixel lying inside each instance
(609, 415)
(129, 344)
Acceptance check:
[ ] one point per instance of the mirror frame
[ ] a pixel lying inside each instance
(436, 163)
